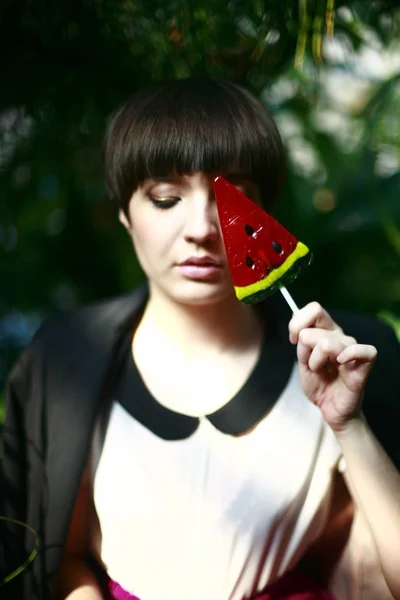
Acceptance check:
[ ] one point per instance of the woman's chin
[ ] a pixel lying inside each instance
(202, 294)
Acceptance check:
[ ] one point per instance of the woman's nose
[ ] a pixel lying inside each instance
(202, 223)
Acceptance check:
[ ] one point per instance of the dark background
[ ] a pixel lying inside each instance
(65, 65)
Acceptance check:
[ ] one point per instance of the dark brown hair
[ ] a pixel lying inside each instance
(191, 125)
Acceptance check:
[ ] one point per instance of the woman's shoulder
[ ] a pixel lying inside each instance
(74, 334)
(365, 328)
(90, 320)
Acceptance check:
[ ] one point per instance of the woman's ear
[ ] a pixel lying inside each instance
(124, 220)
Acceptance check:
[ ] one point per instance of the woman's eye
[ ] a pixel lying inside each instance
(163, 201)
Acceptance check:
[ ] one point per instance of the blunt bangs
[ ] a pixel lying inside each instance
(187, 126)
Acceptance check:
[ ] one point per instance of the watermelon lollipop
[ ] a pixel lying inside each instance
(262, 255)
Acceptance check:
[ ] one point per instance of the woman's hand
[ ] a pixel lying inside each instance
(333, 373)
(333, 367)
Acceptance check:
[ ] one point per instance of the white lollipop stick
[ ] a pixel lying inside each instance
(289, 299)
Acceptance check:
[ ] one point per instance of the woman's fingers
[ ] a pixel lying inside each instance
(357, 352)
(312, 315)
(318, 347)
(321, 344)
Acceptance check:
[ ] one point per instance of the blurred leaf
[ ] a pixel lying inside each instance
(392, 320)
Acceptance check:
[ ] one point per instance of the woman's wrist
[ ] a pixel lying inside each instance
(353, 429)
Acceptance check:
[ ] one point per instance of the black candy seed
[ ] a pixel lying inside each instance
(248, 229)
(249, 262)
(276, 247)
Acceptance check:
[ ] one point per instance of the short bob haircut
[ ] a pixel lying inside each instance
(192, 125)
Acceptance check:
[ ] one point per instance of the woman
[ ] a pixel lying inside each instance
(169, 444)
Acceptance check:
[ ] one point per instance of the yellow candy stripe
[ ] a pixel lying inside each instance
(247, 290)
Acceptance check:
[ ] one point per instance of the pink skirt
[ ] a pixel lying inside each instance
(293, 585)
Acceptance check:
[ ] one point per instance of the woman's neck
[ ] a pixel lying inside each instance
(202, 329)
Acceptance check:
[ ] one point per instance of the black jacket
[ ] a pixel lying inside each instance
(55, 393)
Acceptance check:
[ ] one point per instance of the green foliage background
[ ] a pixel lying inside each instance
(65, 65)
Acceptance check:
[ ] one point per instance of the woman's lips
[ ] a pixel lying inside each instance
(200, 269)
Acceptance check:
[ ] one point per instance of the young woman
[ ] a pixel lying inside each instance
(175, 443)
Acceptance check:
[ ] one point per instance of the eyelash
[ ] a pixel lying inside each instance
(171, 201)
(163, 204)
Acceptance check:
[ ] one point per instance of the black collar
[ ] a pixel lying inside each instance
(252, 402)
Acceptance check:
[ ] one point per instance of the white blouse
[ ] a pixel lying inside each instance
(212, 516)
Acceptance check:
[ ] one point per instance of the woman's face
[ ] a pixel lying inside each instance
(174, 227)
